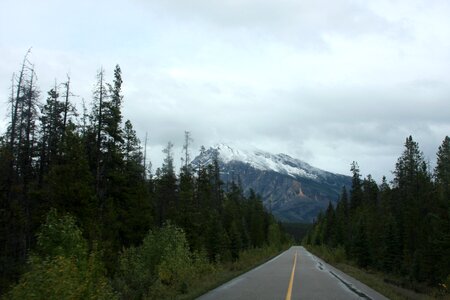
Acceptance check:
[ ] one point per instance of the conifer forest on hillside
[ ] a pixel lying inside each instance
(81, 217)
(402, 228)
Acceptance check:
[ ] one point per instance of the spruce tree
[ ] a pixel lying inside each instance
(360, 247)
(342, 220)
(356, 191)
(166, 185)
(69, 185)
(329, 234)
(442, 170)
(441, 242)
(52, 130)
(411, 180)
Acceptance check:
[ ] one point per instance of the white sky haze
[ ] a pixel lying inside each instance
(324, 81)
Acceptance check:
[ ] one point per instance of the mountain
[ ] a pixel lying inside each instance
(293, 190)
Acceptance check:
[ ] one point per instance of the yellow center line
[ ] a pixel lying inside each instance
(291, 282)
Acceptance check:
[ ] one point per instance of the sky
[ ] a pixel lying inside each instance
(325, 81)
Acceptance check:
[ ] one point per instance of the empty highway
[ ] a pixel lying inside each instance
(294, 274)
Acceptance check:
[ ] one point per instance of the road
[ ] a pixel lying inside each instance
(294, 274)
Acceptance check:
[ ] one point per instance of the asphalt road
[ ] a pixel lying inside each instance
(294, 274)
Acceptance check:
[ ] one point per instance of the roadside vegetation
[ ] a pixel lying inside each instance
(398, 232)
(390, 285)
(162, 267)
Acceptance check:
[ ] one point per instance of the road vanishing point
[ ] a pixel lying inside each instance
(294, 274)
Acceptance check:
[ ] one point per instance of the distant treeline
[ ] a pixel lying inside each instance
(77, 198)
(297, 230)
(401, 228)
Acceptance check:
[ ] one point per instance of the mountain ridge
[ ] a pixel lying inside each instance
(293, 190)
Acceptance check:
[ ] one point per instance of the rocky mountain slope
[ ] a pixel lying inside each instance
(293, 190)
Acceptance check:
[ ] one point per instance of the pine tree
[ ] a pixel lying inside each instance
(22, 133)
(391, 253)
(256, 220)
(356, 191)
(98, 127)
(67, 107)
(216, 182)
(69, 185)
(370, 189)
(407, 168)
(113, 113)
(442, 170)
(203, 189)
(19, 153)
(52, 130)
(235, 241)
(342, 220)
(441, 241)
(329, 234)
(217, 240)
(166, 185)
(360, 247)
(188, 215)
(411, 180)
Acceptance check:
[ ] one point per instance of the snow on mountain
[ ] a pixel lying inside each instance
(291, 189)
(264, 161)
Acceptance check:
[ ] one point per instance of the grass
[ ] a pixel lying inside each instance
(225, 272)
(388, 285)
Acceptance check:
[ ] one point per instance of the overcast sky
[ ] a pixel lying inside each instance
(326, 81)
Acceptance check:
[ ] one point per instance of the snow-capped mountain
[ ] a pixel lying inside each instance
(292, 189)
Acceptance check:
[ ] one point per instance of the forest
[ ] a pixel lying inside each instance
(82, 217)
(400, 228)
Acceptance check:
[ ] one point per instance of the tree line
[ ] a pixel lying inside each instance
(86, 174)
(401, 228)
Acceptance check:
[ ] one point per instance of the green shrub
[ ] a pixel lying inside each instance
(330, 255)
(61, 267)
(274, 236)
(161, 267)
(201, 265)
(60, 236)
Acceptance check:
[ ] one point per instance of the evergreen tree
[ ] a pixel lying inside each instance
(98, 128)
(216, 182)
(360, 244)
(370, 188)
(19, 154)
(218, 243)
(256, 216)
(113, 113)
(342, 216)
(410, 180)
(203, 192)
(235, 241)
(188, 216)
(166, 188)
(356, 191)
(329, 234)
(391, 254)
(441, 221)
(442, 170)
(69, 185)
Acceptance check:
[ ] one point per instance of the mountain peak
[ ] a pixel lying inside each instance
(261, 160)
(292, 189)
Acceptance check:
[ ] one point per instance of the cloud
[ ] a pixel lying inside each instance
(300, 21)
(326, 81)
